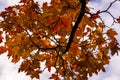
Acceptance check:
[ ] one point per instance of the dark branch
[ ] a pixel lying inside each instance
(81, 14)
(40, 48)
(109, 6)
(31, 39)
(107, 11)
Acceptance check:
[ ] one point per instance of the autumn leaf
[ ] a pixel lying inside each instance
(1, 39)
(118, 20)
(57, 27)
(47, 56)
(88, 21)
(100, 55)
(52, 20)
(15, 59)
(101, 24)
(49, 64)
(24, 1)
(96, 15)
(113, 47)
(111, 33)
(2, 49)
(55, 77)
(74, 66)
(66, 21)
(66, 35)
(10, 8)
(49, 68)
(74, 49)
(46, 42)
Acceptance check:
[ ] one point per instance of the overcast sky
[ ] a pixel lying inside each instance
(8, 70)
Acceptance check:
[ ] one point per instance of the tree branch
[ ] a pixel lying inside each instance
(40, 48)
(109, 6)
(81, 14)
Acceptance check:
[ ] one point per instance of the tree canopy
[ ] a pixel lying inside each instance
(64, 34)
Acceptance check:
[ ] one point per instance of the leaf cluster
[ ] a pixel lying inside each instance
(64, 34)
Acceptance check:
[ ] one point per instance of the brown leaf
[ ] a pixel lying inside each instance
(96, 15)
(111, 33)
(118, 20)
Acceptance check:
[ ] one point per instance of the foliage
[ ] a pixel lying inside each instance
(64, 34)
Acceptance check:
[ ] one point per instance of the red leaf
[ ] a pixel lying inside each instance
(1, 39)
(9, 8)
(49, 68)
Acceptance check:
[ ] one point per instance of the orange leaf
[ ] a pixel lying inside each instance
(47, 56)
(46, 42)
(88, 21)
(74, 66)
(49, 64)
(100, 55)
(66, 20)
(57, 27)
(2, 49)
(15, 58)
(74, 49)
(101, 24)
(51, 20)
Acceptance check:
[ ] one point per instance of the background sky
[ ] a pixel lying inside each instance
(9, 71)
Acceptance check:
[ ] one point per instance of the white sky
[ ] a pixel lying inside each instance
(9, 71)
